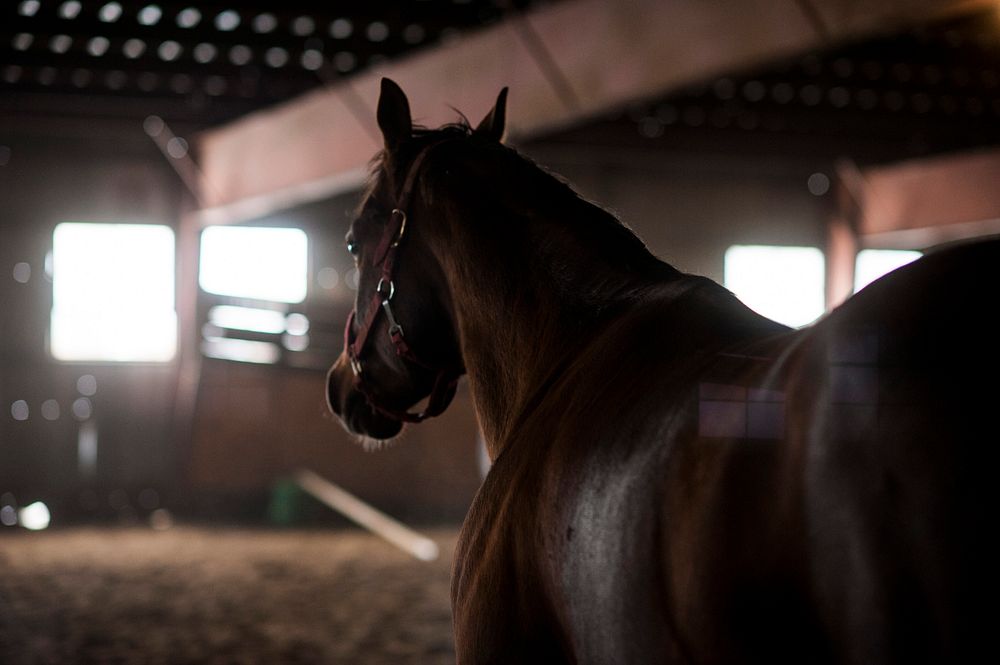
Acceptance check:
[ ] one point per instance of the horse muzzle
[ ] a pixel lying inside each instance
(348, 404)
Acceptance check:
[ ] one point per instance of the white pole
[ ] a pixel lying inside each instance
(366, 516)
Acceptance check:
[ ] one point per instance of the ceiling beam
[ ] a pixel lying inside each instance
(564, 63)
(926, 202)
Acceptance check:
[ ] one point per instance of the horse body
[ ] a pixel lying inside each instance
(677, 479)
(725, 491)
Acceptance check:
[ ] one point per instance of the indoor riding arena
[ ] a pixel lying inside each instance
(237, 270)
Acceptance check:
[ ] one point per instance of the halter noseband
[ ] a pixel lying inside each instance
(446, 380)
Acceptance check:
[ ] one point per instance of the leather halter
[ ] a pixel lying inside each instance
(446, 380)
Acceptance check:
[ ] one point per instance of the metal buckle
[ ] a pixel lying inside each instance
(356, 366)
(394, 327)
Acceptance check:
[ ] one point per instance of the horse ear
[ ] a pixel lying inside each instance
(394, 115)
(493, 125)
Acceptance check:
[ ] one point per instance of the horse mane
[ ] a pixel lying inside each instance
(549, 193)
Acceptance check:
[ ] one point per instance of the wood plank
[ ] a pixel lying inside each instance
(609, 52)
(924, 202)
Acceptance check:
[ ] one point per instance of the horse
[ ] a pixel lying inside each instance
(675, 478)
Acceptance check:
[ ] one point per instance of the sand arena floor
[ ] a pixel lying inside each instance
(220, 596)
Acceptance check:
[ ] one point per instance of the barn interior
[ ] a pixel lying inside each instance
(176, 180)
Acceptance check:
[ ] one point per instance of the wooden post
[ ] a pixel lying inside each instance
(842, 243)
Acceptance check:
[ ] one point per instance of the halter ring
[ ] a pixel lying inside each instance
(386, 295)
(402, 226)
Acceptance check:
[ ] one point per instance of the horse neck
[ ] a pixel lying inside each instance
(529, 291)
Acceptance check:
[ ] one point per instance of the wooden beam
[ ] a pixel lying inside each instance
(605, 54)
(366, 516)
(917, 204)
(841, 247)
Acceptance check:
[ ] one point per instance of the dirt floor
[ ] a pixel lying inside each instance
(199, 595)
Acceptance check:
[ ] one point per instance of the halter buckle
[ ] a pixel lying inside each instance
(356, 366)
(394, 327)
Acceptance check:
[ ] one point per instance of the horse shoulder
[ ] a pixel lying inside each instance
(502, 594)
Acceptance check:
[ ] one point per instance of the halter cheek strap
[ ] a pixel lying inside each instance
(384, 257)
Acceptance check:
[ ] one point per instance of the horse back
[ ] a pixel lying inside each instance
(828, 498)
(723, 490)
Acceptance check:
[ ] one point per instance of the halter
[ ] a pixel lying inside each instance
(446, 380)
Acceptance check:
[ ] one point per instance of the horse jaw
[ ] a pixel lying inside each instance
(351, 407)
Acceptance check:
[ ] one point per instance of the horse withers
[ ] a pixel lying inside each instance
(675, 478)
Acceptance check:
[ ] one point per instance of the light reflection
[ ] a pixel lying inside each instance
(161, 519)
(871, 264)
(86, 446)
(241, 350)
(50, 409)
(87, 385)
(177, 147)
(29, 7)
(113, 293)
(22, 41)
(295, 342)
(8, 516)
(204, 52)
(311, 59)
(303, 25)
(34, 516)
(377, 31)
(133, 48)
(227, 20)
(188, 18)
(263, 263)
(82, 408)
(150, 15)
(98, 46)
(110, 12)
(169, 50)
(327, 278)
(297, 324)
(341, 28)
(344, 61)
(240, 54)
(247, 318)
(69, 10)
(264, 23)
(276, 57)
(22, 272)
(782, 283)
(19, 410)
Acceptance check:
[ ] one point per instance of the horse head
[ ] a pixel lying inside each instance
(401, 340)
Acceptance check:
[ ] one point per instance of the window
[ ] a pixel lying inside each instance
(255, 262)
(871, 264)
(113, 293)
(782, 283)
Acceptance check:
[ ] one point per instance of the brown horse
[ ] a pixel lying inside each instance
(676, 479)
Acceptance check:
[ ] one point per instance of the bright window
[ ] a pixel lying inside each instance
(874, 263)
(113, 293)
(255, 262)
(781, 283)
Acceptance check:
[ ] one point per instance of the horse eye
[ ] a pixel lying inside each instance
(352, 247)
